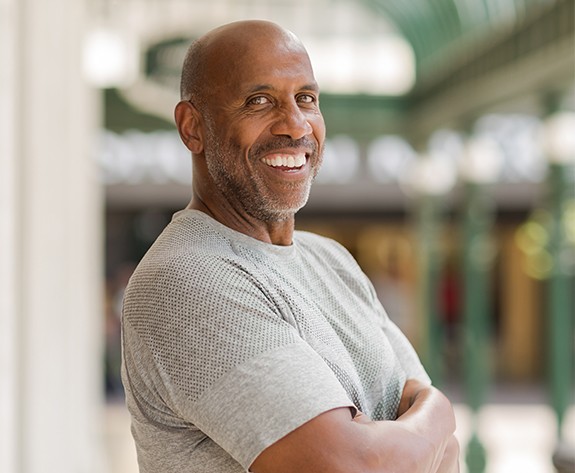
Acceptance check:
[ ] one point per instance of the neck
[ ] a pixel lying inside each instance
(275, 232)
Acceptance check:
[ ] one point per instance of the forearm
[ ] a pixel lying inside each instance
(422, 435)
(419, 441)
(389, 446)
(333, 443)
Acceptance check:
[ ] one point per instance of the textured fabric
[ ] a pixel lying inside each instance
(231, 343)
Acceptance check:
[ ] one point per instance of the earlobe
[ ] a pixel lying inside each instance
(188, 122)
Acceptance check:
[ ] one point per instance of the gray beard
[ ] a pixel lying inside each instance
(264, 208)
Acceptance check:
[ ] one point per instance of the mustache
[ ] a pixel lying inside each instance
(285, 142)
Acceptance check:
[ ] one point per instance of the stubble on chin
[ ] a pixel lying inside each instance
(272, 210)
(255, 198)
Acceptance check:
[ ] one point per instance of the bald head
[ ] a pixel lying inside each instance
(219, 51)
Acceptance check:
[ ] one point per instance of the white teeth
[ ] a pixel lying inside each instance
(288, 161)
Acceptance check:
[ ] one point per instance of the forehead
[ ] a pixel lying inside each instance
(275, 60)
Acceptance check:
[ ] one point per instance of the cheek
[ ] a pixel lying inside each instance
(318, 126)
(229, 144)
(241, 140)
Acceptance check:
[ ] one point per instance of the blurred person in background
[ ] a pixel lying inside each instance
(248, 345)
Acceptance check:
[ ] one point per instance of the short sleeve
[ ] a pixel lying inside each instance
(225, 358)
(261, 401)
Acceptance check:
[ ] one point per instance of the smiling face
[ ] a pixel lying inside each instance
(263, 132)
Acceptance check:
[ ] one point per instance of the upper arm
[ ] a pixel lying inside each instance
(315, 446)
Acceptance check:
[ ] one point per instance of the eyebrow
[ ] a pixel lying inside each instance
(263, 87)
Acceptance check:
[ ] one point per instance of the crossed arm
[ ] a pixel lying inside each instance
(420, 440)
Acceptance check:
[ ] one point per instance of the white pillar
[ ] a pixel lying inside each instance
(50, 244)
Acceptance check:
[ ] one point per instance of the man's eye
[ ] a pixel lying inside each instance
(306, 98)
(259, 100)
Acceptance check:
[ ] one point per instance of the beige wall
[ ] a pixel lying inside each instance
(50, 251)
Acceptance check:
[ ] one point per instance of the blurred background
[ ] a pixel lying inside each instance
(449, 174)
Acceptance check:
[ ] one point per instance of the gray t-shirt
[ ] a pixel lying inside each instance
(230, 343)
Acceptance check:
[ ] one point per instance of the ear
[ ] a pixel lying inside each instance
(188, 121)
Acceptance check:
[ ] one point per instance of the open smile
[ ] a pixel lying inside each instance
(286, 161)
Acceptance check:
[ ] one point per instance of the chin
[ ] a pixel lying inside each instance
(267, 209)
(276, 214)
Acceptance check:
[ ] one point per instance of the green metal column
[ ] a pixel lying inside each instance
(430, 267)
(477, 259)
(559, 145)
(559, 296)
(431, 178)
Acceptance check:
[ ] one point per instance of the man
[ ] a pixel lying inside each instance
(248, 345)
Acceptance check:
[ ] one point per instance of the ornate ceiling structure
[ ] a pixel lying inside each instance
(460, 50)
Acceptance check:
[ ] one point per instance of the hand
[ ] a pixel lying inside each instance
(427, 411)
(450, 461)
(411, 390)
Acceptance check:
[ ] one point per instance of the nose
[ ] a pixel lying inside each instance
(292, 122)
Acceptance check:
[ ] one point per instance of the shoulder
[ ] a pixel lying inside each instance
(332, 258)
(327, 249)
(318, 242)
(190, 263)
